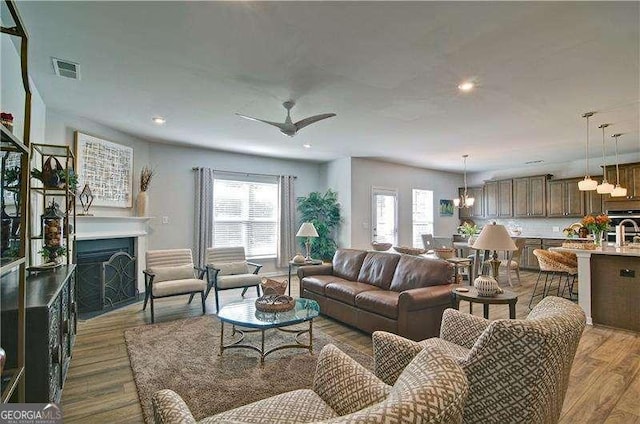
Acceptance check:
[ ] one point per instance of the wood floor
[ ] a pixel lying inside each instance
(604, 385)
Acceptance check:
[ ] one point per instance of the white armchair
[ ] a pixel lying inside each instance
(228, 268)
(171, 272)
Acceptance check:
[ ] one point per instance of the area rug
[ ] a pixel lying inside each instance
(183, 356)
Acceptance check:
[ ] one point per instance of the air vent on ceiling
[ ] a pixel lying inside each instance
(65, 68)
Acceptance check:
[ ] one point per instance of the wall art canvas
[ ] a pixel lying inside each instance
(446, 207)
(107, 168)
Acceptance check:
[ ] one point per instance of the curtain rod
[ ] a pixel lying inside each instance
(247, 174)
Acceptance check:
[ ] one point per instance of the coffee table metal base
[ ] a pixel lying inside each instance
(239, 345)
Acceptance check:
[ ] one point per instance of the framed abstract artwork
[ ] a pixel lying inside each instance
(107, 168)
(446, 207)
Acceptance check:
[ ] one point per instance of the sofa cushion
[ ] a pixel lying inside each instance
(236, 281)
(378, 268)
(170, 273)
(317, 283)
(381, 302)
(166, 288)
(347, 263)
(232, 268)
(346, 291)
(414, 272)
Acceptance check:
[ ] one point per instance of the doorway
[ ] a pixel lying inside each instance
(384, 222)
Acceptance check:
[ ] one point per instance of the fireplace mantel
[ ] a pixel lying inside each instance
(108, 227)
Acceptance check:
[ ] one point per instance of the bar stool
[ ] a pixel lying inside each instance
(570, 260)
(552, 265)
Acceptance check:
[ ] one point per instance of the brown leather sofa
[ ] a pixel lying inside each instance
(373, 291)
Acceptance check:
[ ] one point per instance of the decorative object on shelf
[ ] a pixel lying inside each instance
(52, 233)
(142, 201)
(276, 287)
(487, 286)
(597, 225)
(3, 359)
(298, 259)
(618, 191)
(50, 176)
(380, 247)
(464, 201)
(408, 250)
(6, 119)
(6, 232)
(86, 199)
(308, 230)
(323, 211)
(494, 237)
(275, 303)
(587, 184)
(445, 252)
(108, 169)
(605, 187)
(53, 177)
(446, 207)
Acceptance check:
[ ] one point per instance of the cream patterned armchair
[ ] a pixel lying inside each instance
(171, 272)
(228, 268)
(432, 389)
(518, 370)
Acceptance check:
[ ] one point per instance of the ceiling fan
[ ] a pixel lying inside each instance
(288, 127)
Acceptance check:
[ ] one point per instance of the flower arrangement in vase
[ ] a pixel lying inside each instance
(597, 224)
(146, 175)
(470, 231)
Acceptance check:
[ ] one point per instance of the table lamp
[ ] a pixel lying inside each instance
(492, 237)
(307, 230)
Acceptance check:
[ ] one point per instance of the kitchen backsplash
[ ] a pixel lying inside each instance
(533, 226)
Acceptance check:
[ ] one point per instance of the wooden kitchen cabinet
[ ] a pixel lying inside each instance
(529, 260)
(564, 199)
(615, 290)
(629, 179)
(498, 199)
(477, 210)
(529, 197)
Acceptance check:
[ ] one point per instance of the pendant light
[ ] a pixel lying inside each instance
(464, 201)
(587, 184)
(618, 191)
(606, 187)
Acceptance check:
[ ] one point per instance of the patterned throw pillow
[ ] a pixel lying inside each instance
(232, 268)
(170, 273)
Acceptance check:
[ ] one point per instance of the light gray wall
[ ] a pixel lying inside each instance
(61, 128)
(172, 192)
(366, 173)
(338, 178)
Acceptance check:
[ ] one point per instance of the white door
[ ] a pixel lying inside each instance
(384, 221)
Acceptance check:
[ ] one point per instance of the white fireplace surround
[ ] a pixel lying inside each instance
(107, 227)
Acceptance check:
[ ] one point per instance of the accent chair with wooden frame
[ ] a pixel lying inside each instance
(228, 268)
(171, 272)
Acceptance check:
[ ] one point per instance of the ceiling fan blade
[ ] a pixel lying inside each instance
(275, 124)
(310, 120)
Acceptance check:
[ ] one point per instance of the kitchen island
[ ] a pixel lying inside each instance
(609, 286)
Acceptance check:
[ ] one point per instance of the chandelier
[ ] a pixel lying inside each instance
(464, 201)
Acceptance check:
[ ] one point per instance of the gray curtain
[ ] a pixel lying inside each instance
(203, 229)
(286, 237)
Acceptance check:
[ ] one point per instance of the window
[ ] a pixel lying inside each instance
(422, 215)
(245, 214)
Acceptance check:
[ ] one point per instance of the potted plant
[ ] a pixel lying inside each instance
(469, 231)
(323, 210)
(59, 180)
(53, 253)
(6, 119)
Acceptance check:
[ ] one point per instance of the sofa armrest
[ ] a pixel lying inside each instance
(425, 297)
(462, 329)
(324, 269)
(391, 355)
(169, 408)
(344, 384)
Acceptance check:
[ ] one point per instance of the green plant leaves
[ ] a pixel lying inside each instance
(323, 210)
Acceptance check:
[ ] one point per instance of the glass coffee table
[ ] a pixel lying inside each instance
(244, 314)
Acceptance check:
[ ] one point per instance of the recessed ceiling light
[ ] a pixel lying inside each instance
(159, 120)
(306, 145)
(466, 86)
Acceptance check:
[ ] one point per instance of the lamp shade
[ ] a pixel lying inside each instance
(494, 237)
(307, 230)
(587, 184)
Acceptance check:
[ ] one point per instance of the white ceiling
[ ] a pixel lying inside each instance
(389, 70)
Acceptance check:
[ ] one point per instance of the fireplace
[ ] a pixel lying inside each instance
(106, 274)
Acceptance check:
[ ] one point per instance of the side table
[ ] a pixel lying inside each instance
(461, 263)
(472, 296)
(299, 264)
